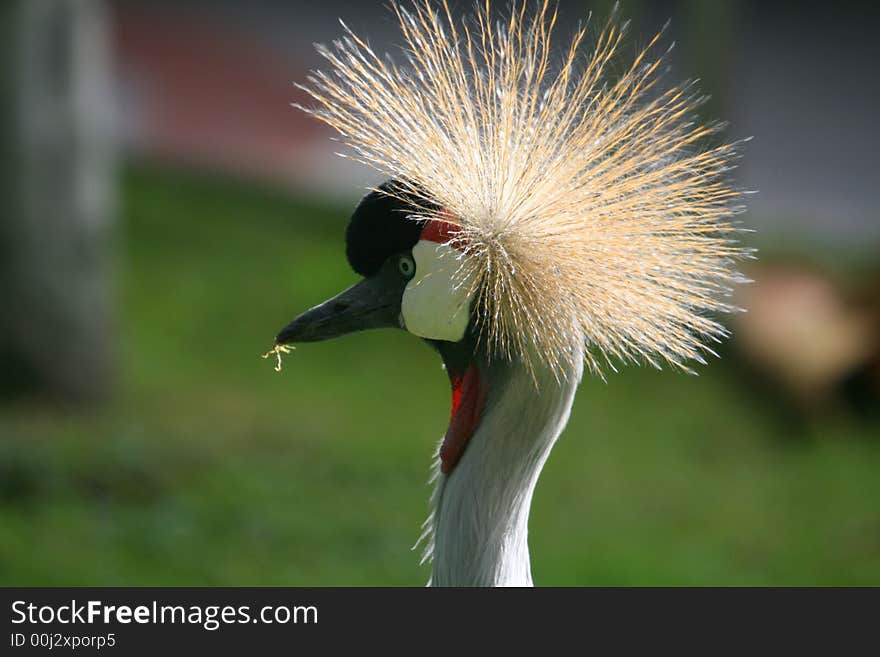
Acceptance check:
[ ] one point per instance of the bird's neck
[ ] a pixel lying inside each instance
(478, 528)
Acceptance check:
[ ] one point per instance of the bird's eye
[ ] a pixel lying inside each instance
(406, 266)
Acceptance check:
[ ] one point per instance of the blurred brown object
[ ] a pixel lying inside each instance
(815, 340)
(207, 93)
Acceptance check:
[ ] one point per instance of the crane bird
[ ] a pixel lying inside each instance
(536, 221)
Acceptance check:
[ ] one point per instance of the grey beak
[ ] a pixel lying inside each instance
(365, 305)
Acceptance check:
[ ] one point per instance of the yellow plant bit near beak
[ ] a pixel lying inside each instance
(278, 349)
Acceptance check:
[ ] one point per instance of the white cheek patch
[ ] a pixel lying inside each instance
(436, 302)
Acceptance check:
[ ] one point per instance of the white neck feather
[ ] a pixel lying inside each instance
(478, 528)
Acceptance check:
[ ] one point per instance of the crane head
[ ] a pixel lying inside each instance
(409, 258)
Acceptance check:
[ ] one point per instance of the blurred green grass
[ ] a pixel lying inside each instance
(207, 467)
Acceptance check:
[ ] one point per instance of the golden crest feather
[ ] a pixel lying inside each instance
(594, 210)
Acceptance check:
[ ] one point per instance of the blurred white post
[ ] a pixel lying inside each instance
(57, 320)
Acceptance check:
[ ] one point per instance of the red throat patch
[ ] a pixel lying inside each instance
(468, 398)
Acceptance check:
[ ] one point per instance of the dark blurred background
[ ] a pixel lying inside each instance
(165, 212)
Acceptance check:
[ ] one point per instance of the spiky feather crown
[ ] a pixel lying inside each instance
(591, 209)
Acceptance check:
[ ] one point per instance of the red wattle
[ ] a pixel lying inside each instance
(468, 398)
